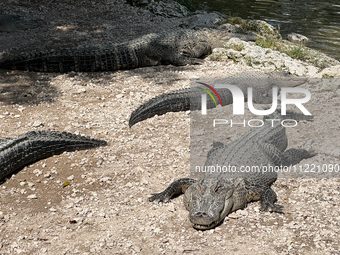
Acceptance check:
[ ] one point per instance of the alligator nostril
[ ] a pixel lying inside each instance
(201, 214)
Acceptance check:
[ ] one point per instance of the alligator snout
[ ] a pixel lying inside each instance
(203, 221)
(201, 214)
(202, 218)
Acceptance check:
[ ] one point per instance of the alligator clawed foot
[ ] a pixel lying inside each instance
(267, 207)
(159, 197)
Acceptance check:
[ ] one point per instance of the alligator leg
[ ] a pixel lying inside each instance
(294, 156)
(287, 158)
(176, 188)
(190, 54)
(198, 50)
(268, 199)
(181, 60)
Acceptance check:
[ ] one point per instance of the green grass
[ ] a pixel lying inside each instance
(237, 47)
(297, 52)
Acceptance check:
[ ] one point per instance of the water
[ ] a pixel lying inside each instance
(318, 20)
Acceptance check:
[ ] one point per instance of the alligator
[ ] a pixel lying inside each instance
(28, 148)
(177, 48)
(216, 194)
(12, 23)
(190, 98)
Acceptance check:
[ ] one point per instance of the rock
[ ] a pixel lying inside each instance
(262, 28)
(70, 178)
(297, 38)
(229, 27)
(330, 72)
(167, 8)
(139, 3)
(208, 20)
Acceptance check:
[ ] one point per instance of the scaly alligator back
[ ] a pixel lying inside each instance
(177, 48)
(36, 145)
(122, 56)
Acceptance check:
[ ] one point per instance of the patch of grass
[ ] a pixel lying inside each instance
(298, 52)
(235, 20)
(243, 25)
(215, 57)
(248, 61)
(322, 64)
(237, 47)
(327, 76)
(268, 42)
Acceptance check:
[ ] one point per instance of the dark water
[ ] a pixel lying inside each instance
(318, 20)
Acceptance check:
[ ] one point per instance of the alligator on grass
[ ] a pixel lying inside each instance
(176, 48)
(216, 194)
(28, 148)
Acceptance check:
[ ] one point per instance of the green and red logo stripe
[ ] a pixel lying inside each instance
(208, 92)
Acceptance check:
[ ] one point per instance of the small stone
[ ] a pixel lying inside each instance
(37, 172)
(47, 175)
(30, 184)
(297, 38)
(157, 230)
(105, 179)
(233, 216)
(34, 196)
(70, 178)
(82, 90)
(37, 123)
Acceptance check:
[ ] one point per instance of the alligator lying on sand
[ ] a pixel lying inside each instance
(211, 198)
(177, 48)
(190, 98)
(35, 145)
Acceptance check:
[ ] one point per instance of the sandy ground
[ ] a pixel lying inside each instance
(105, 207)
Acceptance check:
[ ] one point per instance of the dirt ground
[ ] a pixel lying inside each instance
(105, 208)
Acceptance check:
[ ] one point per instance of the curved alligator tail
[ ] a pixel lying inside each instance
(35, 145)
(190, 98)
(176, 101)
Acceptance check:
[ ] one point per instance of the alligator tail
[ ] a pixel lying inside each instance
(179, 100)
(36, 145)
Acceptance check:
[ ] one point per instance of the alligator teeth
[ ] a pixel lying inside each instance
(205, 227)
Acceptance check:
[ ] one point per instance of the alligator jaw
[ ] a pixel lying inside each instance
(205, 227)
